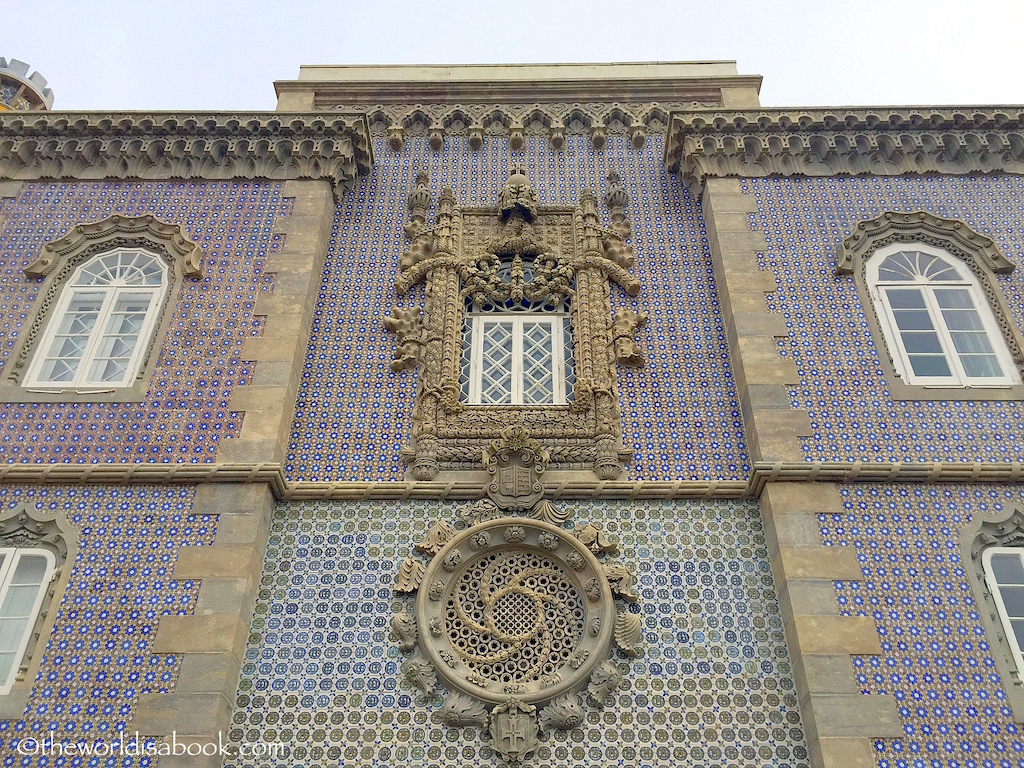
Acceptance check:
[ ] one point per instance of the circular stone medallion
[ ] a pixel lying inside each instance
(523, 610)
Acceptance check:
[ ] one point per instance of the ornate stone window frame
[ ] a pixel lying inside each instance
(572, 255)
(982, 257)
(55, 266)
(1005, 530)
(26, 526)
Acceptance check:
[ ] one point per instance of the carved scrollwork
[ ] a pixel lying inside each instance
(519, 614)
(518, 251)
(624, 326)
(407, 325)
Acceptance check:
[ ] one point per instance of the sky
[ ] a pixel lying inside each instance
(186, 54)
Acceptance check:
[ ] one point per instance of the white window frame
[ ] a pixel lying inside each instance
(890, 330)
(997, 596)
(112, 294)
(12, 556)
(556, 323)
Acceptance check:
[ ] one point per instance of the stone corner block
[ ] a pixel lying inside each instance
(842, 753)
(213, 633)
(184, 714)
(854, 635)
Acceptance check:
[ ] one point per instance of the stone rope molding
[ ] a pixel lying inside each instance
(882, 141)
(272, 473)
(182, 145)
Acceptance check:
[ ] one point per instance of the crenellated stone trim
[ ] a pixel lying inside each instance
(182, 145)
(268, 401)
(879, 141)
(772, 426)
(839, 722)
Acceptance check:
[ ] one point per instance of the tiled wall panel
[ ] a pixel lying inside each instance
(184, 415)
(712, 686)
(936, 659)
(680, 413)
(843, 388)
(98, 662)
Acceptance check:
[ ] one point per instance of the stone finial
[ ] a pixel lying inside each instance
(21, 91)
(518, 195)
(617, 199)
(436, 138)
(419, 201)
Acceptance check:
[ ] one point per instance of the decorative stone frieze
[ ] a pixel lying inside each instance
(514, 615)
(855, 142)
(474, 122)
(182, 145)
(517, 251)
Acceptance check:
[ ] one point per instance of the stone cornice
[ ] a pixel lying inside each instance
(881, 141)
(272, 473)
(185, 145)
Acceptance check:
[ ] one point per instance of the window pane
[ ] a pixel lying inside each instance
(6, 664)
(903, 298)
(19, 601)
(954, 298)
(64, 354)
(922, 342)
(1018, 632)
(929, 365)
(12, 631)
(1007, 569)
(496, 363)
(538, 363)
(570, 363)
(30, 570)
(1013, 599)
(913, 319)
(971, 343)
(981, 366)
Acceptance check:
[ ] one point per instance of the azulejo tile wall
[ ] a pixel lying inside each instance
(185, 413)
(712, 686)
(936, 660)
(98, 661)
(843, 388)
(680, 412)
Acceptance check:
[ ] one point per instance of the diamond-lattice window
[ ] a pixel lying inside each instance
(516, 358)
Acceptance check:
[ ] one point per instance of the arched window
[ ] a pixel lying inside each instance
(1004, 575)
(936, 318)
(103, 322)
(24, 574)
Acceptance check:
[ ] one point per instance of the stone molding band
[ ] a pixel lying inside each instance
(180, 145)
(876, 141)
(272, 474)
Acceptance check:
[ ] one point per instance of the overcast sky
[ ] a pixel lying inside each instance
(191, 54)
